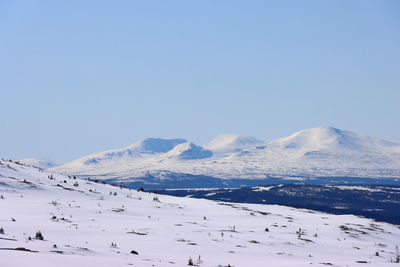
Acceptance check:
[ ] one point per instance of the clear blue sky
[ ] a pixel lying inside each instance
(78, 77)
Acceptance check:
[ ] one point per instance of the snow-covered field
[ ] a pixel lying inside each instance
(317, 152)
(89, 224)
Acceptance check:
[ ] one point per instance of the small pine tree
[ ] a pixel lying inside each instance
(39, 235)
(1, 230)
(190, 262)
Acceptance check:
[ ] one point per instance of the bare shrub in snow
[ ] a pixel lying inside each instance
(300, 232)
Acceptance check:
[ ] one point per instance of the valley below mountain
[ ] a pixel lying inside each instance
(378, 202)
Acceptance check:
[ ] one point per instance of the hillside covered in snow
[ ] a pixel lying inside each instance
(311, 153)
(48, 218)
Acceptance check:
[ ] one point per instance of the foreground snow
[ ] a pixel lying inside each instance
(317, 152)
(80, 223)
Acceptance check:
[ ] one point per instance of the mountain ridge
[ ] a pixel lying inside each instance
(315, 152)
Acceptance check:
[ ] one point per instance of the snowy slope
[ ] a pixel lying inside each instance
(140, 151)
(316, 152)
(81, 221)
(41, 162)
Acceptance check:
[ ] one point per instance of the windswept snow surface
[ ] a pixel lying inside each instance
(81, 220)
(316, 152)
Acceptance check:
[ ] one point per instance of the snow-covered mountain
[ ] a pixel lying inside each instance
(316, 152)
(142, 149)
(48, 218)
(41, 162)
(187, 151)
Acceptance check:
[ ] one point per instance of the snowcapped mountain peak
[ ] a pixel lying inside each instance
(189, 150)
(227, 143)
(156, 145)
(144, 148)
(333, 139)
(318, 138)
